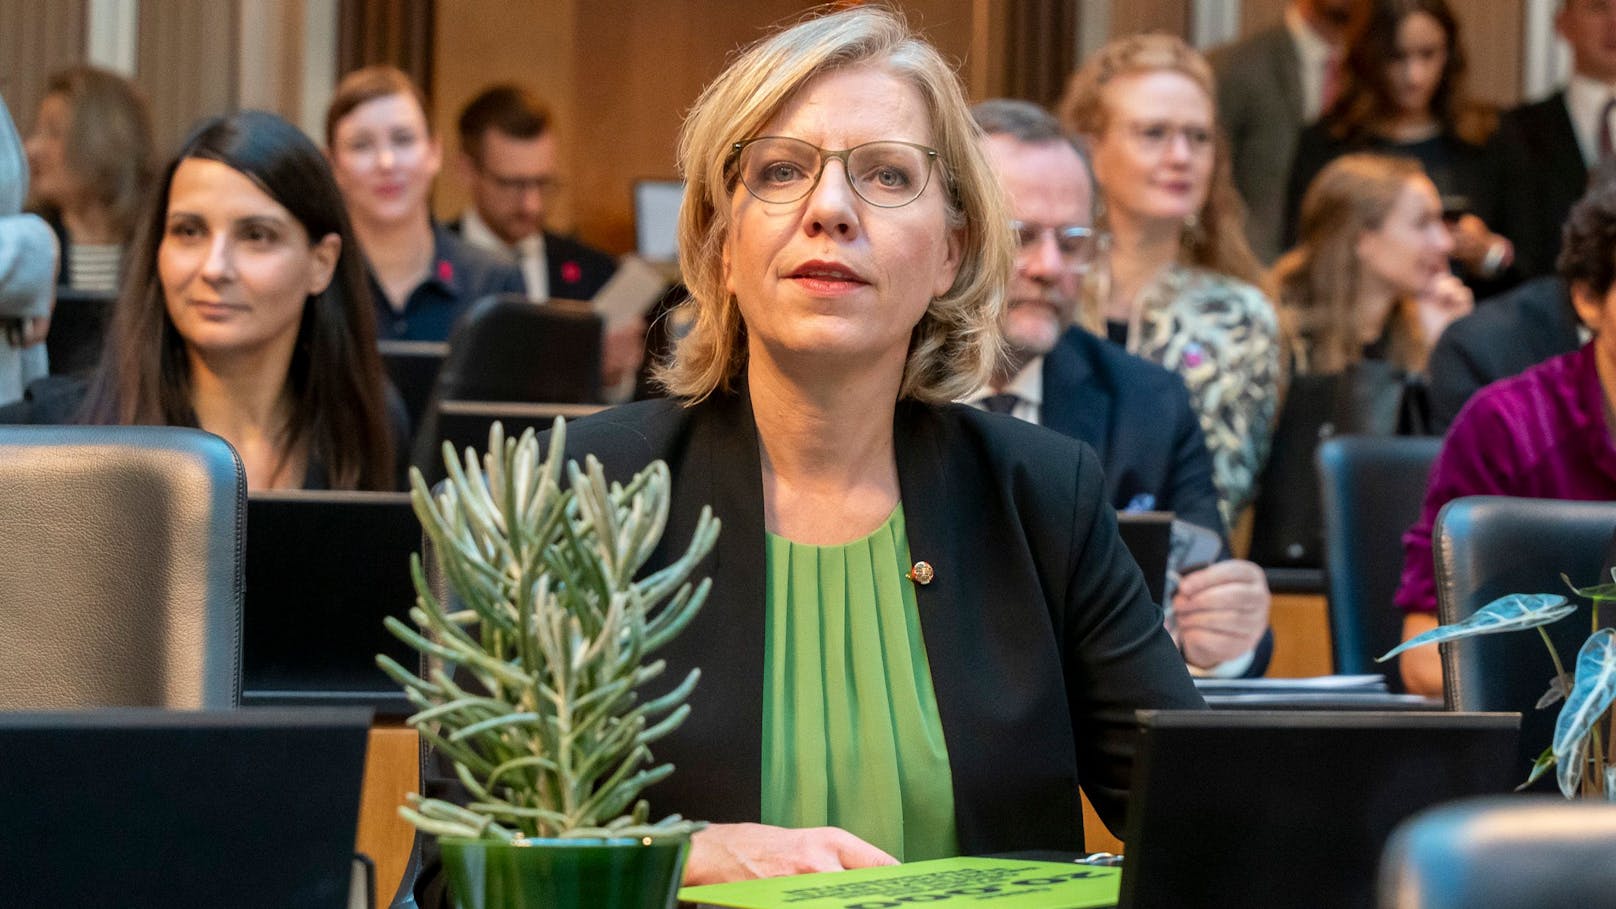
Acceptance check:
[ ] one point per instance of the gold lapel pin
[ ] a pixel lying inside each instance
(921, 573)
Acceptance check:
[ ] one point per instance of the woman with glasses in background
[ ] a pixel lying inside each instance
(1178, 283)
(385, 158)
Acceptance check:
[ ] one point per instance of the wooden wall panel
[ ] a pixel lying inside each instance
(37, 37)
(1492, 31)
(182, 84)
(1256, 15)
(1130, 16)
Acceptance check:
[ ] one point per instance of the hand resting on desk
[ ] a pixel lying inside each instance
(1221, 612)
(738, 852)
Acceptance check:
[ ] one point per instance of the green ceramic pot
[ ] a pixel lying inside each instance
(564, 874)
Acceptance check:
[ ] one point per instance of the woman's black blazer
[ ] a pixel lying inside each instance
(1041, 637)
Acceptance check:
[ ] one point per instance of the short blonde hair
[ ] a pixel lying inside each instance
(1218, 241)
(958, 341)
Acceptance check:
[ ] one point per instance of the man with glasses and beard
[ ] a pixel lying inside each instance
(1135, 414)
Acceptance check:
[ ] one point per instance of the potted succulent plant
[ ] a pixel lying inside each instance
(1584, 737)
(537, 659)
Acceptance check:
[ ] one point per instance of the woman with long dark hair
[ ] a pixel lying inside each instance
(1403, 93)
(245, 313)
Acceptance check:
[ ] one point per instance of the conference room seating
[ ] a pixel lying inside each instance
(121, 574)
(1502, 853)
(506, 348)
(413, 367)
(1372, 488)
(1491, 546)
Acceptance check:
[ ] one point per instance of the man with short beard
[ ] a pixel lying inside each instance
(1135, 414)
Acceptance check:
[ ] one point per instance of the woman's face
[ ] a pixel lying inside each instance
(50, 179)
(1415, 70)
(1154, 159)
(831, 275)
(236, 267)
(1410, 247)
(385, 159)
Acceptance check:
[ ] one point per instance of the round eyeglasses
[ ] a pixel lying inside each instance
(1075, 244)
(886, 174)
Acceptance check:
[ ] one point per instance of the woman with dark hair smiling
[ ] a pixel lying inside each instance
(1404, 94)
(245, 313)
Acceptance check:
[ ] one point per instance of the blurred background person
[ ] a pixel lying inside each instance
(1554, 143)
(1544, 434)
(508, 158)
(1079, 384)
(90, 153)
(385, 158)
(246, 314)
(27, 270)
(1404, 94)
(1178, 285)
(1364, 294)
(1270, 85)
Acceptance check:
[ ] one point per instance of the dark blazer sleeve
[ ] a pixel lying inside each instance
(576, 271)
(1191, 493)
(1118, 657)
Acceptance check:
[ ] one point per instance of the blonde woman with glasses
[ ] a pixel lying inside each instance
(1178, 285)
(924, 633)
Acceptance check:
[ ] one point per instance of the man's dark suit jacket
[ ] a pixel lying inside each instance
(1138, 419)
(1502, 338)
(1546, 177)
(576, 271)
(1041, 637)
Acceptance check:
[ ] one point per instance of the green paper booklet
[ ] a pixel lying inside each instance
(981, 882)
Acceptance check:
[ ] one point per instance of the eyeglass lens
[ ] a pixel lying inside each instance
(885, 174)
(1076, 244)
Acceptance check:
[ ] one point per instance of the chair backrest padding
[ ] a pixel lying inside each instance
(120, 567)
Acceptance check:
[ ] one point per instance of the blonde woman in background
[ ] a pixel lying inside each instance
(90, 153)
(1178, 286)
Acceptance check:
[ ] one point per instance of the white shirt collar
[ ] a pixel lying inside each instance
(1585, 101)
(1028, 386)
(528, 252)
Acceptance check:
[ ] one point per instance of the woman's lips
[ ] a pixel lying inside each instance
(826, 278)
(213, 309)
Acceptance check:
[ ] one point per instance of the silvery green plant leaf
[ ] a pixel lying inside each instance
(1515, 612)
(1610, 784)
(1597, 592)
(1555, 694)
(1592, 692)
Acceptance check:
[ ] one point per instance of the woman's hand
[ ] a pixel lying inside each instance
(1443, 301)
(1221, 612)
(1481, 251)
(738, 852)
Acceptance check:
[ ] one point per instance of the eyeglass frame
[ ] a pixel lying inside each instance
(1198, 140)
(933, 158)
(546, 186)
(1017, 226)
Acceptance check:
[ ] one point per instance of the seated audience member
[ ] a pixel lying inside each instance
(1404, 94)
(91, 156)
(1271, 84)
(1520, 328)
(847, 258)
(1543, 434)
(1178, 287)
(27, 269)
(1552, 144)
(245, 314)
(1527, 324)
(1081, 385)
(1369, 278)
(385, 157)
(508, 158)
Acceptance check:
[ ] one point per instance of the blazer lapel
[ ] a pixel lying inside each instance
(1077, 403)
(1286, 72)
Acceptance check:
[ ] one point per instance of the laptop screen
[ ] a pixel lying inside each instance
(246, 808)
(1292, 808)
(656, 219)
(323, 569)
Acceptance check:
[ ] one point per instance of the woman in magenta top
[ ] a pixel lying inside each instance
(1543, 434)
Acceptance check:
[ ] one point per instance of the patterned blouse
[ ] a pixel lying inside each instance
(1222, 336)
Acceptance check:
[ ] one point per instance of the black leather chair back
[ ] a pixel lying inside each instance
(121, 580)
(1490, 546)
(1502, 853)
(1372, 488)
(413, 368)
(78, 325)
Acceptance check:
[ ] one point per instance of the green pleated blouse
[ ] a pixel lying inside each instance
(851, 733)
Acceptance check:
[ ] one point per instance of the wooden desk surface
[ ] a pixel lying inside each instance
(392, 768)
